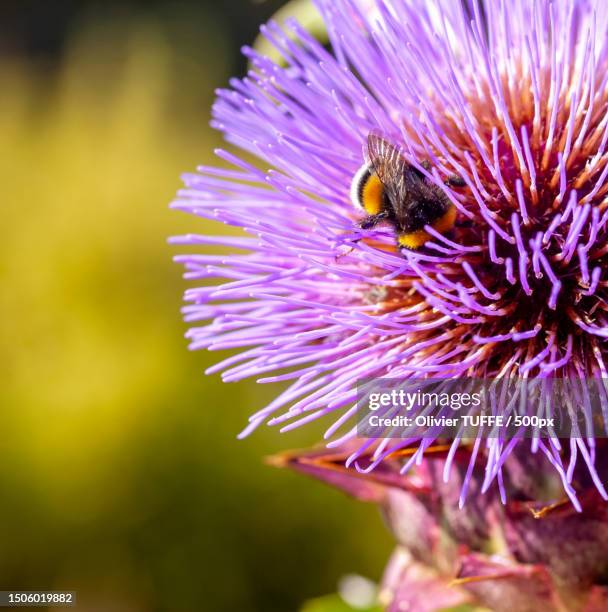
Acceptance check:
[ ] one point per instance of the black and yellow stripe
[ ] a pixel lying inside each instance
(367, 191)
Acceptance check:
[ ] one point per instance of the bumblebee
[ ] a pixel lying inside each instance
(389, 189)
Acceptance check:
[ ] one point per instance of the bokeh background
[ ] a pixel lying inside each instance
(120, 474)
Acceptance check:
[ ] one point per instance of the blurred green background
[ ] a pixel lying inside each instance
(120, 473)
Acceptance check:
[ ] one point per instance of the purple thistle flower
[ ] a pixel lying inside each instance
(513, 99)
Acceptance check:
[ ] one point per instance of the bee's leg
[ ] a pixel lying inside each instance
(372, 220)
(348, 251)
(455, 181)
(426, 165)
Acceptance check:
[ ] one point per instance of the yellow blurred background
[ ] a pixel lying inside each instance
(120, 474)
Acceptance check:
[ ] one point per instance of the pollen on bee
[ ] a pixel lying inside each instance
(413, 240)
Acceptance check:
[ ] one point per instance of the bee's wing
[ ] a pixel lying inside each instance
(390, 166)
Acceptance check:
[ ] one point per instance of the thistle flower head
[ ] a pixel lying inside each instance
(512, 97)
